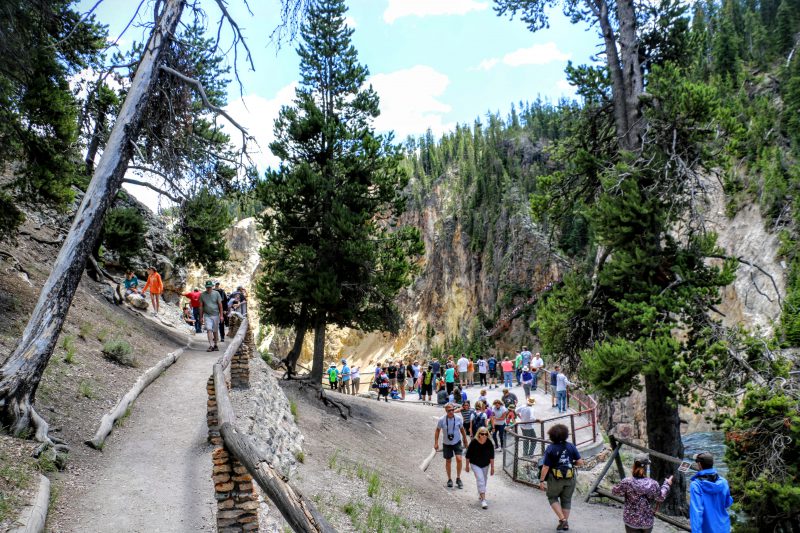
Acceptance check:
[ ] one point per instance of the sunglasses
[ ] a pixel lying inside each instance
(449, 410)
(484, 435)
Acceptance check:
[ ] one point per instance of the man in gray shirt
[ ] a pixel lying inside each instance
(210, 313)
(454, 436)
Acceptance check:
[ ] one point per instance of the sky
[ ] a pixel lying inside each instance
(434, 63)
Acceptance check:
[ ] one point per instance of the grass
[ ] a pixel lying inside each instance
(373, 484)
(85, 330)
(333, 459)
(102, 335)
(352, 509)
(68, 343)
(120, 351)
(382, 520)
(120, 422)
(300, 456)
(85, 389)
(15, 475)
(44, 464)
(293, 409)
(397, 496)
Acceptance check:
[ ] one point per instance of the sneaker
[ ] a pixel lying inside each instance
(563, 525)
(216, 348)
(449, 483)
(459, 484)
(484, 505)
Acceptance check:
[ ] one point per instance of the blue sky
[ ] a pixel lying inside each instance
(434, 63)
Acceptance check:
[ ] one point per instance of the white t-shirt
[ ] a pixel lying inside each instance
(463, 364)
(525, 414)
(562, 382)
(537, 363)
(451, 426)
(482, 366)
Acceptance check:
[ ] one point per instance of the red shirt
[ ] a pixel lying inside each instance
(194, 298)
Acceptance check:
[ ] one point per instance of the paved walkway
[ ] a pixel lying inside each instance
(154, 474)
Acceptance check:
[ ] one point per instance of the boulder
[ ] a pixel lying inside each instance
(137, 301)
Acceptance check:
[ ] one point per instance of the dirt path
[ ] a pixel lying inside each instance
(392, 440)
(154, 474)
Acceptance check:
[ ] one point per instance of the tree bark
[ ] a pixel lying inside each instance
(22, 372)
(664, 435)
(319, 349)
(293, 356)
(631, 72)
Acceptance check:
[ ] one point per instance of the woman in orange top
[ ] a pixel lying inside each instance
(470, 373)
(156, 287)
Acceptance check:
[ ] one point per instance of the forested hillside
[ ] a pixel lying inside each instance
(720, 101)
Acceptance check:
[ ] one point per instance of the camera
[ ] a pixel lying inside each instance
(450, 436)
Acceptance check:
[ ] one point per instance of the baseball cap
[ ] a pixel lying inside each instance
(704, 459)
(209, 283)
(642, 459)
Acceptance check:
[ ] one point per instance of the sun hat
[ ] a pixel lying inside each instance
(531, 401)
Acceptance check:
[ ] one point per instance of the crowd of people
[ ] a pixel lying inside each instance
(210, 310)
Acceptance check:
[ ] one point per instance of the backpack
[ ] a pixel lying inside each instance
(565, 469)
(428, 377)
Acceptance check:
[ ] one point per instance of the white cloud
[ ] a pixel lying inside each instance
(538, 54)
(563, 88)
(424, 8)
(257, 114)
(410, 101)
(350, 21)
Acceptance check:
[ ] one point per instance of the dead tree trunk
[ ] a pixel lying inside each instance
(294, 354)
(20, 375)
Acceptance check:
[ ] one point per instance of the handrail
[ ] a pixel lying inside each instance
(299, 512)
(587, 406)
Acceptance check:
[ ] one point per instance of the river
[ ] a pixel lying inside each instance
(707, 441)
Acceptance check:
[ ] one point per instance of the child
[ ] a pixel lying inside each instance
(394, 394)
(479, 419)
(467, 413)
(333, 374)
(482, 397)
(383, 387)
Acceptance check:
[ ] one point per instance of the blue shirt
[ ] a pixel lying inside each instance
(554, 458)
(435, 366)
(709, 499)
(492, 364)
(345, 373)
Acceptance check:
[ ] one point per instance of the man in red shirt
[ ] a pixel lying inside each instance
(194, 302)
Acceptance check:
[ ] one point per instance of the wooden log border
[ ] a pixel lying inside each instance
(33, 517)
(108, 420)
(297, 510)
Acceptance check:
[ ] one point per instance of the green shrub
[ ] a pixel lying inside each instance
(85, 390)
(122, 232)
(119, 351)
(68, 343)
(373, 485)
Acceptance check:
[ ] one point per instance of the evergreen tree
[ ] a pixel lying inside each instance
(122, 232)
(204, 219)
(334, 253)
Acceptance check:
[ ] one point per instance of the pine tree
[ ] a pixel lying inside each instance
(334, 253)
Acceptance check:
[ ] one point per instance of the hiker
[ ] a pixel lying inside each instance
(436, 369)
(187, 315)
(480, 455)
(526, 421)
(401, 379)
(562, 382)
(333, 376)
(454, 436)
(553, 384)
(156, 287)
(345, 378)
(463, 367)
(536, 366)
(442, 396)
(223, 320)
(491, 364)
(238, 301)
(640, 493)
(508, 372)
(426, 384)
(558, 471)
(508, 398)
(131, 283)
(194, 302)
(499, 414)
(458, 396)
(709, 498)
(383, 387)
(449, 378)
(391, 371)
(414, 376)
(479, 418)
(482, 396)
(355, 380)
(518, 367)
(482, 370)
(527, 381)
(467, 413)
(526, 357)
(210, 313)
(470, 373)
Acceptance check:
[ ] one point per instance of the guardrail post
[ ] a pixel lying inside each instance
(237, 503)
(212, 415)
(572, 423)
(240, 362)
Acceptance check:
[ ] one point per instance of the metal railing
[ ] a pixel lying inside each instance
(584, 407)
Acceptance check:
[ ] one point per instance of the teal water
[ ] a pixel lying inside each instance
(707, 441)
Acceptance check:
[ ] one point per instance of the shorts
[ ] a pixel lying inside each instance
(211, 322)
(493, 374)
(427, 389)
(452, 449)
(560, 489)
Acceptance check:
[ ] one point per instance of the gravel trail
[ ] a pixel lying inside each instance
(154, 473)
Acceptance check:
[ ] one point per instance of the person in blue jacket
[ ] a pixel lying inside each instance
(710, 497)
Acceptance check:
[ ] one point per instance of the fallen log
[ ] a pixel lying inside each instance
(107, 422)
(33, 517)
(297, 510)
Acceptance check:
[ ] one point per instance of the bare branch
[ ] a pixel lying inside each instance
(756, 266)
(237, 38)
(153, 188)
(207, 103)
